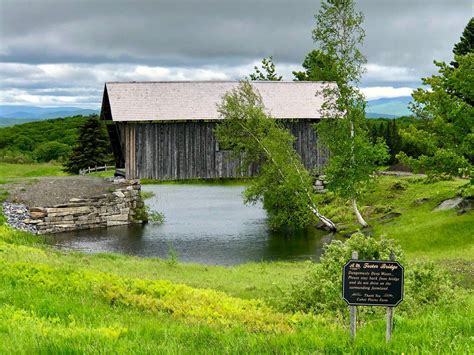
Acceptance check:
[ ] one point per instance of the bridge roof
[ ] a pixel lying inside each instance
(197, 100)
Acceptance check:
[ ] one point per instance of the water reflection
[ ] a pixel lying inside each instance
(204, 224)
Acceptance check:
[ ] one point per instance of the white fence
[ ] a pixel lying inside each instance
(95, 168)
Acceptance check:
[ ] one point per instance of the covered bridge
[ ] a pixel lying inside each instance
(165, 130)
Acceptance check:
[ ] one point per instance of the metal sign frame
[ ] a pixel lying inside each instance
(372, 304)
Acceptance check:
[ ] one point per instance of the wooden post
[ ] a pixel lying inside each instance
(353, 309)
(389, 330)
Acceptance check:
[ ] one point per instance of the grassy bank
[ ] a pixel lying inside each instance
(9, 171)
(63, 302)
(66, 302)
(402, 209)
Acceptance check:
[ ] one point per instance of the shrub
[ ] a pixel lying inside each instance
(48, 151)
(15, 157)
(321, 289)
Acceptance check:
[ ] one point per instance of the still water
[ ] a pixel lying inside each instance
(203, 224)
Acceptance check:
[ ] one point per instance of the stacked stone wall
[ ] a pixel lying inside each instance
(122, 206)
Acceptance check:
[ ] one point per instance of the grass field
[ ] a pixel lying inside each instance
(8, 171)
(68, 302)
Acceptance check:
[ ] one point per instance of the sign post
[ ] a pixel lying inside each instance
(353, 309)
(372, 283)
(388, 332)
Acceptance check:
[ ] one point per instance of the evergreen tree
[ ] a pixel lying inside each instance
(93, 147)
(466, 42)
(318, 67)
(267, 72)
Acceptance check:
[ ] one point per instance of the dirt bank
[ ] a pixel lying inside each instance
(50, 191)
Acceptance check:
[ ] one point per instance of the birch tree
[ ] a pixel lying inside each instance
(339, 34)
(282, 184)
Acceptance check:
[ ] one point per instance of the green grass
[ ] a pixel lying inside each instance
(9, 171)
(53, 301)
(65, 302)
(422, 232)
(108, 173)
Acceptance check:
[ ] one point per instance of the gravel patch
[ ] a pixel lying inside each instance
(15, 214)
(50, 191)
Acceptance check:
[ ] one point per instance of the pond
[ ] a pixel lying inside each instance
(206, 224)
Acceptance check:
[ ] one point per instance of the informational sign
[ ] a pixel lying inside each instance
(372, 283)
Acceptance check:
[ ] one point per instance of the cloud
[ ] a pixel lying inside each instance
(65, 84)
(385, 73)
(78, 45)
(379, 92)
(194, 33)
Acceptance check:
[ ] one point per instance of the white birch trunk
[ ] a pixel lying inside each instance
(360, 219)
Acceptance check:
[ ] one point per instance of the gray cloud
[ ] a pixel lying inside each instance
(218, 37)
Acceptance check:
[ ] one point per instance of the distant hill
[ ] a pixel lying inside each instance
(389, 107)
(17, 114)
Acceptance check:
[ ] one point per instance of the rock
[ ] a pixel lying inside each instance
(75, 199)
(38, 215)
(390, 216)
(421, 200)
(63, 211)
(118, 217)
(116, 223)
(37, 209)
(17, 216)
(119, 194)
(449, 204)
(32, 221)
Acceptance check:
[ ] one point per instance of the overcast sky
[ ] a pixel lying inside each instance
(59, 52)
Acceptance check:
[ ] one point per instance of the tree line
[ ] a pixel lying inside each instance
(76, 142)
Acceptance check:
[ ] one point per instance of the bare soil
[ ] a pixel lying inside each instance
(50, 191)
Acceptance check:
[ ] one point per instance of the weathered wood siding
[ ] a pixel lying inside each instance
(189, 150)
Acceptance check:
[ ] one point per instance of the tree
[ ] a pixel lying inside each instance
(466, 42)
(282, 183)
(267, 72)
(338, 33)
(445, 135)
(54, 150)
(93, 147)
(318, 67)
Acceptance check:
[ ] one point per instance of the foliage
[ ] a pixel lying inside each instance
(446, 134)
(282, 184)
(155, 216)
(18, 143)
(466, 42)
(318, 67)
(147, 194)
(425, 284)
(155, 296)
(54, 150)
(92, 147)
(343, 130)
(267, 72)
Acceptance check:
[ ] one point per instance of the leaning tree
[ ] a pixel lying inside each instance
(282, 183)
